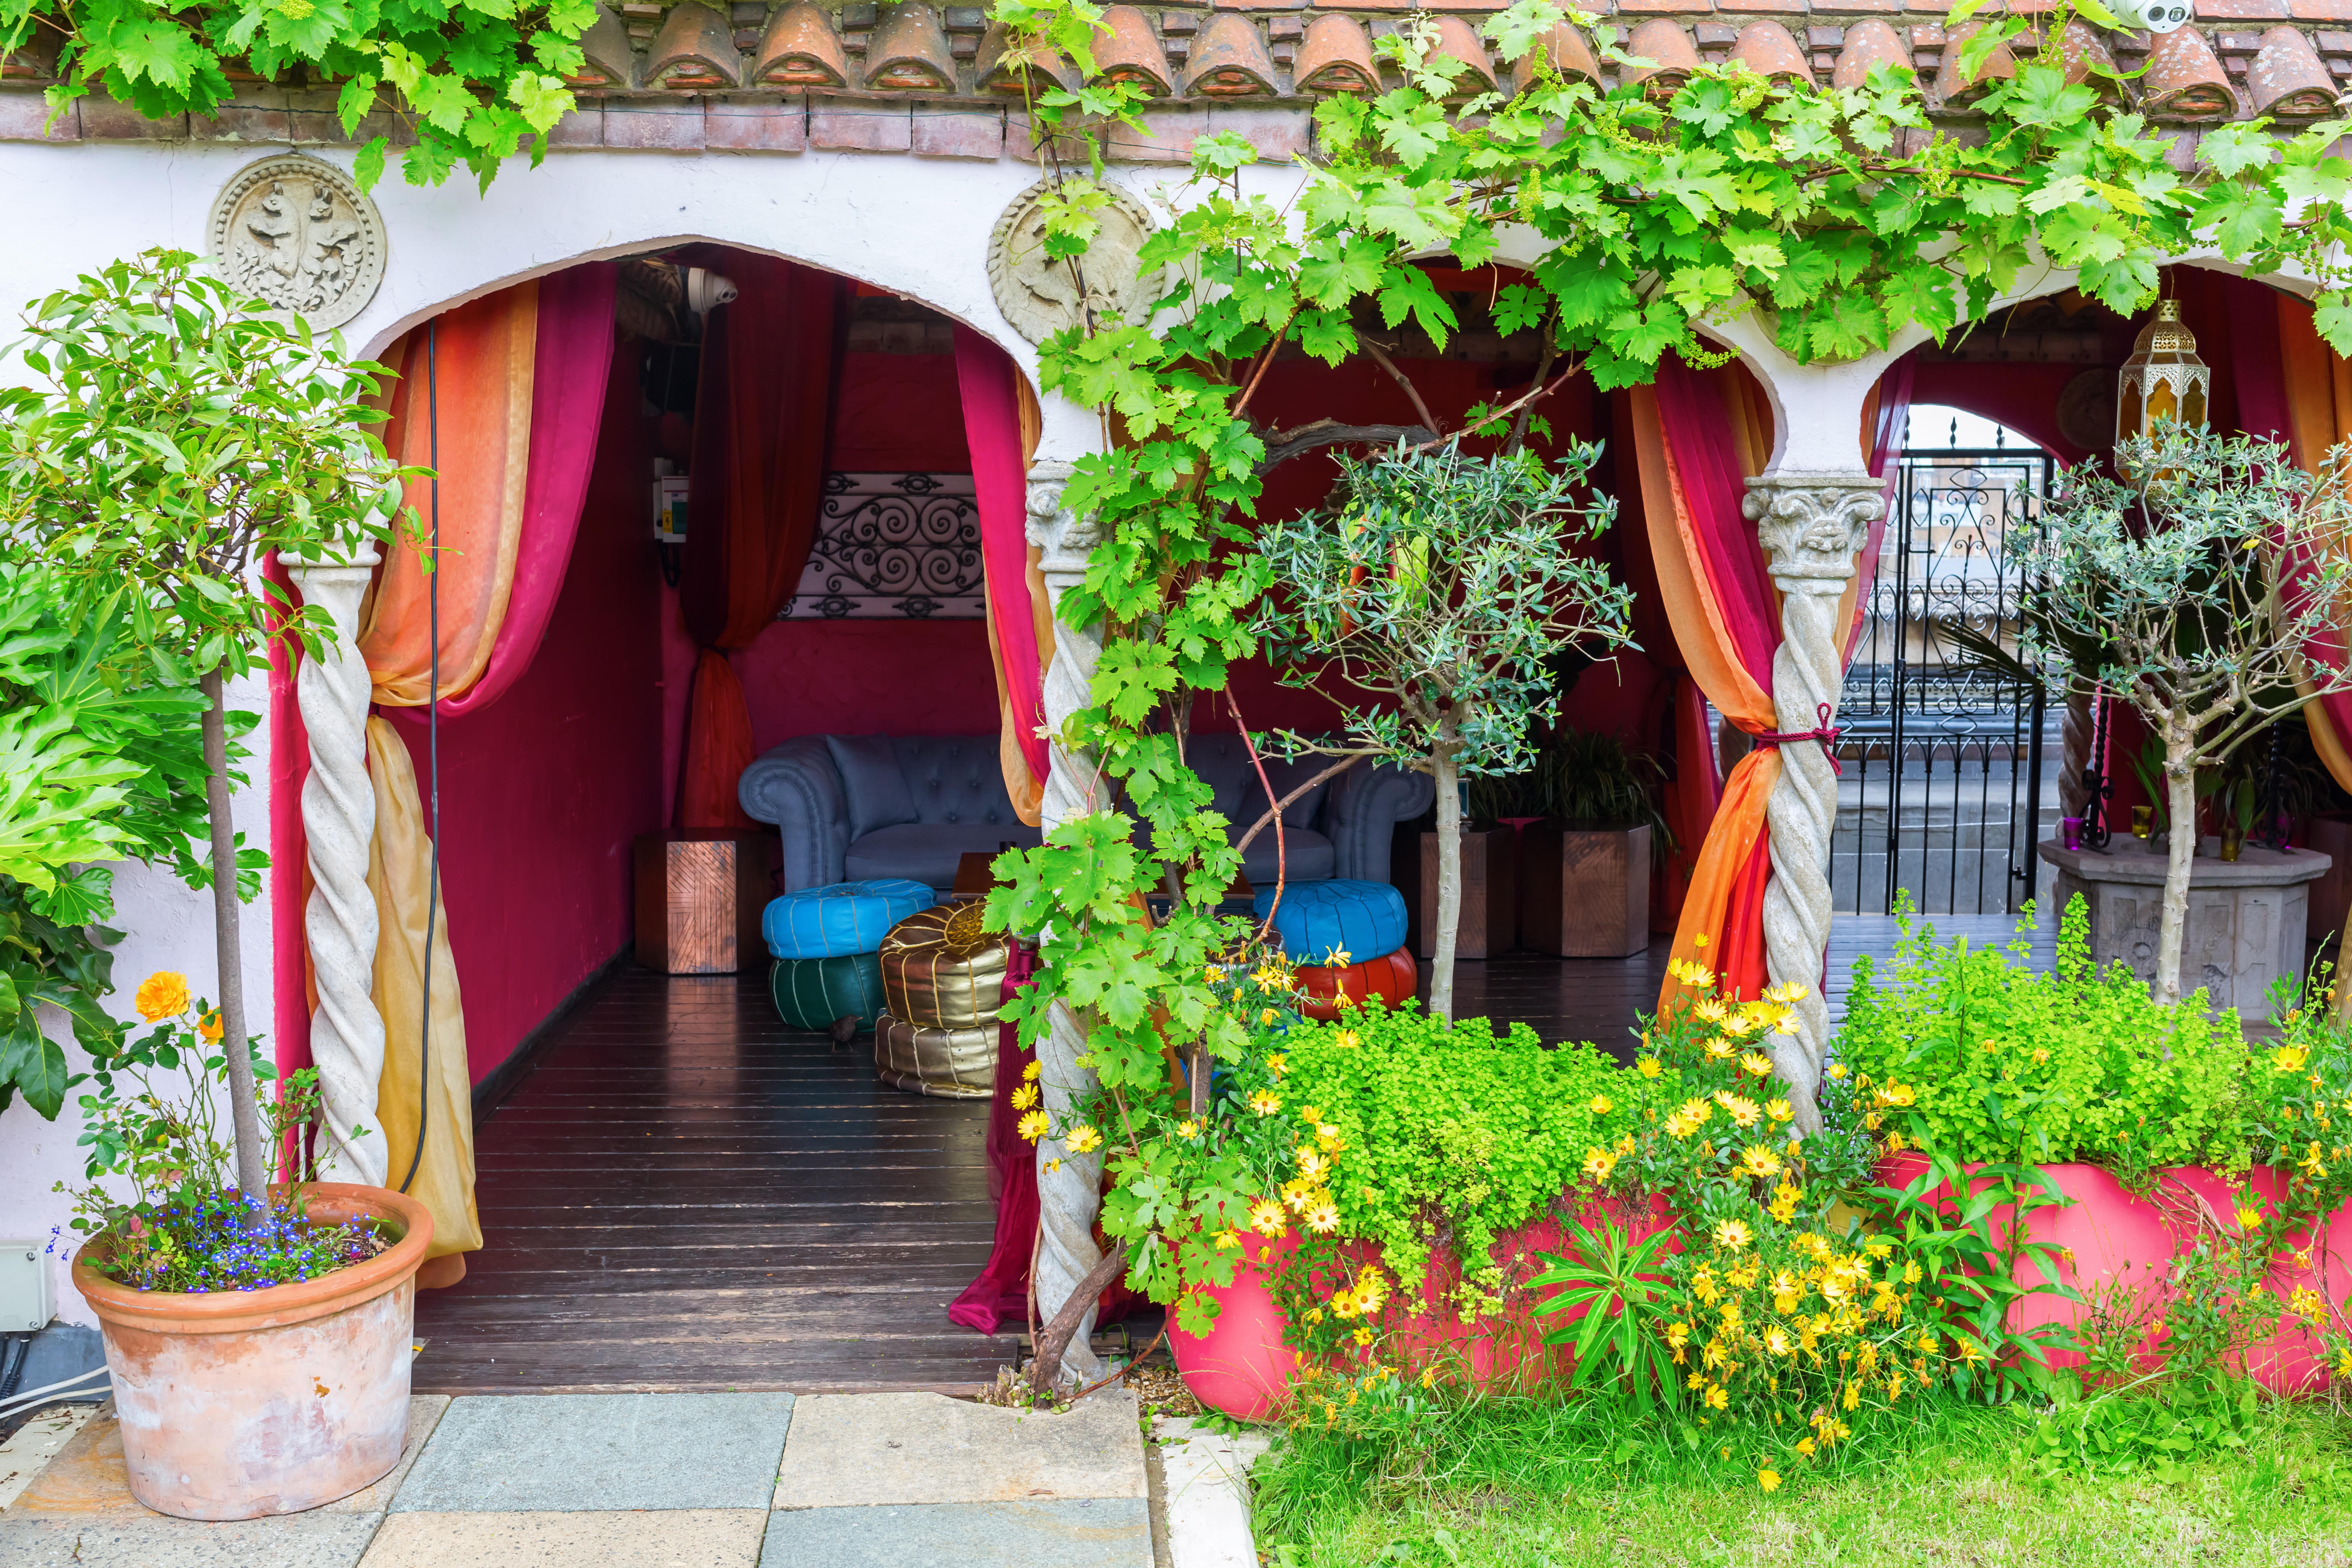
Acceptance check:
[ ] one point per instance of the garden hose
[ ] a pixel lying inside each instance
(432, 741)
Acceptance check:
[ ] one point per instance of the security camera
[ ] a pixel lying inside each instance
(2156, 15)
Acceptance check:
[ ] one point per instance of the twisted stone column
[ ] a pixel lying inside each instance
(340, 924)
(1811, 526)
(1069, 1187)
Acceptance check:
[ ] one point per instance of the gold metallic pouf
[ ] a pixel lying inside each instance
(941, 971)
(953, 1064)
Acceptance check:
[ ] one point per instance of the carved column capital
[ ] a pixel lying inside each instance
(1810, 525)
(1063, 538)
(339, 827)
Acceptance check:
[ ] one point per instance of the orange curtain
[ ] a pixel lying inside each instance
(2319, 414)
(1735, 846)
(761, 430)
(480, 396)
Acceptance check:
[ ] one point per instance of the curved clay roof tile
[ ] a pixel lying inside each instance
(1869, 43)
(1229, 60)
(1769, 49)
(2086, 55)
(1951, 93)
(1569, 53)
(2287, 79)
(1130, 51)
(800, 49)
(1000, 69)
(1336, 55)
(1459, 40)
(694, 50)
(1672, 57)
(909, 54)
(2184, 81)
(606, 59)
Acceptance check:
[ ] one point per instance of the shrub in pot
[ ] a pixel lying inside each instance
(259, 1350)
(1585, 870)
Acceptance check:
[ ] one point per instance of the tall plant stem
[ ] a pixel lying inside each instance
(1449, 874)
(2181, 805)
(244, 1097)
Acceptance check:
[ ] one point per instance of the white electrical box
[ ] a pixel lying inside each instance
(24, 1300)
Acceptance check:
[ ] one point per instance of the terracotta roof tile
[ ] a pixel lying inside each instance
(1668, 49)
(1951, 93)
(1767, 49)
(1229, 60)
(1458, 39)
(1868, 44)
(999, 70)
(2087, 56)
(694, 51)
(911, 53)
(607, 61)
(2286, 78)
(1130, 51)
(1336, 56)
(800, 49)
(2184, 80)
(1569, 52)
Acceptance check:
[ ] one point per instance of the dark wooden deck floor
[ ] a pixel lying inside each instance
(684, 1194)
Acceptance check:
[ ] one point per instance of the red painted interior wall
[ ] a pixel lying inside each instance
(542, 792)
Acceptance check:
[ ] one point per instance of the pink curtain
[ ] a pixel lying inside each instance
(1001, 1294)
(570, 361)
(570, 357)
(988, 382)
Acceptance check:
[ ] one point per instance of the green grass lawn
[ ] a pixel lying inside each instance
(1530, 1487)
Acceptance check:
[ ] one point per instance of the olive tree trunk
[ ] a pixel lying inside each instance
(2180, 807)
(244, 1097)
(1449, 871)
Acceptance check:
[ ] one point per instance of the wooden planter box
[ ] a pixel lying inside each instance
(1490, 902)
(1585, 891)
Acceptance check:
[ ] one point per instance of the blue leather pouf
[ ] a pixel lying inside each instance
(840, 920)
(1364, 920)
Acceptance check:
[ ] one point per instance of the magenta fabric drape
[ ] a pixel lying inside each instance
(1886, 436)
(2256, 367)
(1000, 483)
(1692, 416)
(570, 359)
(1001, 1294)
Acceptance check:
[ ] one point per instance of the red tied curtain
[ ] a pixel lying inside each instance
(764, 401)
(1001, 1291)
(999, 425)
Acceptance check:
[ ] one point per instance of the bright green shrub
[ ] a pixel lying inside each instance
(2075, 1065)
(1452, 1128)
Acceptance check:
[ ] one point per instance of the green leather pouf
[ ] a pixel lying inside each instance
(810, 993)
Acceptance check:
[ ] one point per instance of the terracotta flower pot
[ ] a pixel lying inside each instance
(1392, 977)
(243, 1403)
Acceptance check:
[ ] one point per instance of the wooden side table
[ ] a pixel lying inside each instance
(700, 895)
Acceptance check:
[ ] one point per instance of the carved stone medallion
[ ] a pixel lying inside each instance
(298, 233)
(1040, 296)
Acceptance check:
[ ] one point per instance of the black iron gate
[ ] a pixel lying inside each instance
(1943, 767)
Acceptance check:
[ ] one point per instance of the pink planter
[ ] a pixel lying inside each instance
(2121, 1241)
(1240, 1366)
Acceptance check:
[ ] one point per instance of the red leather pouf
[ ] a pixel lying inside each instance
(1391, 977)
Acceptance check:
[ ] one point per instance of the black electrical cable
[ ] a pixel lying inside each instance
(15, 1376)
(432, 741)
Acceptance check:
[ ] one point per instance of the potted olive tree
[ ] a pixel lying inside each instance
(179, 436)
(1586, 867)
(1442, 585)
(2192, 587)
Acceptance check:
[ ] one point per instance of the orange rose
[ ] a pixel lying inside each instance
(163, 994)
(210, 1027)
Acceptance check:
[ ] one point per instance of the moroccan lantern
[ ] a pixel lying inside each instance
(2164, 382)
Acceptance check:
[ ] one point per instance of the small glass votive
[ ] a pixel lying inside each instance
(2070, 832)
(2143, 818)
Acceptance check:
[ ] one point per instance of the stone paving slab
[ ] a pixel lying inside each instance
(1063, 1532)
(87, 1479)
(655, 1538)
(314, 1540)
(867, 1449)
(581, 1453)
(1205, 1481)
(31, 1446)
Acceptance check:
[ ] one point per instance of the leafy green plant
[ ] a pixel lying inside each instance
(2140, 1432)
(1618, 1284)
(1597, 781)
(1441, 585)
(468, 84)
(2008, 1065)
(181, 435)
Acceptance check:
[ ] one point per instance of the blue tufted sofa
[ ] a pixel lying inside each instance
(868, 808)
